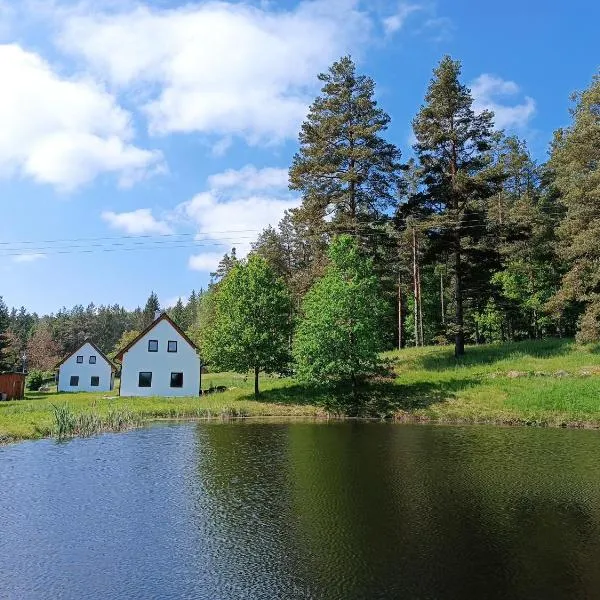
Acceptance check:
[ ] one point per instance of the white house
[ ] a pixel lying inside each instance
(160, 361)
(85, 370)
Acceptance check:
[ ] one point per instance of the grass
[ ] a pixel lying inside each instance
(45, 414)
(552, 382)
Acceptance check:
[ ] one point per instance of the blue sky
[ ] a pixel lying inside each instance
(139, 141)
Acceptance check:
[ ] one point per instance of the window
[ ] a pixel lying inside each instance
(74, 380)
(152, 345)
(172, 346)
(145, 379)
(94, 381)
(92, 360)
(176, 380)
(80, 360)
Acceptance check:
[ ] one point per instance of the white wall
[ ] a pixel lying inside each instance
(161, 364)
(85, 371)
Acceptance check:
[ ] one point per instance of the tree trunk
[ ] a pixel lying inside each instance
(459, 344)
(442, 299)
(415, 288)
(256, 371)
(400, 319)
(420, 307)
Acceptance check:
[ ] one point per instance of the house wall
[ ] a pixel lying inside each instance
(85, 371)
(161, 364)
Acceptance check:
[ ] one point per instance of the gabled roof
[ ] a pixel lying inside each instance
(110, 362)
(163, 317)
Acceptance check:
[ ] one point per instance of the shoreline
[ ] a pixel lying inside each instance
(405, 419)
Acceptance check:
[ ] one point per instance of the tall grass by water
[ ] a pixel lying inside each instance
(68, 423)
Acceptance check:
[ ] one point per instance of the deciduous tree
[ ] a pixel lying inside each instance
(340, 332)
(250, 321)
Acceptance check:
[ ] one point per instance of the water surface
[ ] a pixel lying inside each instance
(303, 510)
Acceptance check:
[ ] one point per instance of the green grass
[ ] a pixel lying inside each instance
(553, 382)
(44, 414)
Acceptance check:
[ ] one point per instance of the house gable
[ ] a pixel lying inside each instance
(163, 317)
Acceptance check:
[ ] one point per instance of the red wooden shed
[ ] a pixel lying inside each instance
(12, 386)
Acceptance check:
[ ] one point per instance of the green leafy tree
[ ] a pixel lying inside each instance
(126, 338)
(575, 162)
(453, 150)
(250, 321)
(340, 333)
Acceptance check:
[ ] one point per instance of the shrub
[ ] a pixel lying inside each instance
(35, 380)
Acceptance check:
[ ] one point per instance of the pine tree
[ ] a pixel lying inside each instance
(150, 309)
(270, 246)
(4, 339)
(225, 265)
(177, 313)
(347, 173)
(575, 162)
(453, 150)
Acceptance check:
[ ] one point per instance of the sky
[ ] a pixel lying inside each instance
(141, 140)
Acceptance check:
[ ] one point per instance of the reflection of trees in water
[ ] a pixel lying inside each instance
(356, 510)
(446, 512)
(243, 473)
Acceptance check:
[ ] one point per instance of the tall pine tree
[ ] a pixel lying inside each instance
(575, 162)
(347, 173)
(453, 151)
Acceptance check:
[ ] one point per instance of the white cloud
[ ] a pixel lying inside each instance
(490, 91)
(222, 69)
(207, 262)
(170, 302)
(394, 22)
(250, 179)
(28, 257)
(238, 205)
(136, 222)
(61, 131)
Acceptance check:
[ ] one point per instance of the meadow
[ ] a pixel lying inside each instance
(545, 383)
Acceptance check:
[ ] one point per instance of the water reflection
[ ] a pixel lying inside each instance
(303, 510)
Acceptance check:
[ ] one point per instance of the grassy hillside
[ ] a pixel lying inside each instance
(551, 382)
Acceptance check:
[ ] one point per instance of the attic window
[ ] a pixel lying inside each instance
(172, 346)
(80, 360)
(74, 382)
(152, 345)
(92, 360)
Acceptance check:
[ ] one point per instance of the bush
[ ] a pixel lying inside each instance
(35, 380)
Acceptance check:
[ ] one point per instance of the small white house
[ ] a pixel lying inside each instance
(85, 370)
(160, 361)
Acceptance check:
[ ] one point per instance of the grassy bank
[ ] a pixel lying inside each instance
(43, 414)
(552, 382)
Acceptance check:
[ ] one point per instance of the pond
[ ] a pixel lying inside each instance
(342, 510)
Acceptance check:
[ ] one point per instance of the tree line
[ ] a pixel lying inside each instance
(30, 341)
(469, 240)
